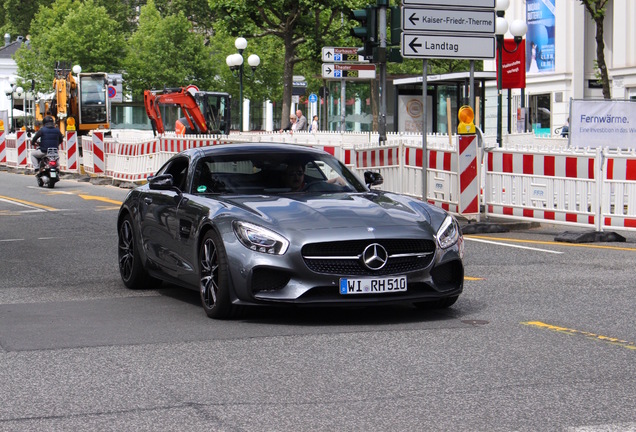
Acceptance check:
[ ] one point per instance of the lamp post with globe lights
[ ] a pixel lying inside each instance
(235, 63)
(518, 29)
(12, 92)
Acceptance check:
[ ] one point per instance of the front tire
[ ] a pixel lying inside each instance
(214, 278)
(131, 269)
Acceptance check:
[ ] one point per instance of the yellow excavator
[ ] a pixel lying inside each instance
(83, 97)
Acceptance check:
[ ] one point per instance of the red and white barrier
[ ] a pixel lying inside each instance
(559, 188)
(3, 148)
(71, 151)
(618, 200)
(21, 145)
(99, 166)
(468, 175)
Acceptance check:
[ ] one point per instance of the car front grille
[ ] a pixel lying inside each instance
(344, 258)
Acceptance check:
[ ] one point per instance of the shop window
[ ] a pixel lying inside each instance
(540, 114)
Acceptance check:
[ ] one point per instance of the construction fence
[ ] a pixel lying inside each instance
(531, 179)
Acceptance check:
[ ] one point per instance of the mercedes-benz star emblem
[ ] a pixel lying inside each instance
(375, 256)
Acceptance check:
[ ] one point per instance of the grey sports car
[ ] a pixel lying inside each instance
(263, 224)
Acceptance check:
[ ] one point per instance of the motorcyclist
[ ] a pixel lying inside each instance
(48, 136)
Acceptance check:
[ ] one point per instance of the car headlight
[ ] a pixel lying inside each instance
(448, 233)
(260, 239)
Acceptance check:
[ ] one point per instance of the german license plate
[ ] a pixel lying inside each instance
(53, 174)
(372, 285)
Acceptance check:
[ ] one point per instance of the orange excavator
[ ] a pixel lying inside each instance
(202, 112)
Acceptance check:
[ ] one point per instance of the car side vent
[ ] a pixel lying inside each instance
(264, 279)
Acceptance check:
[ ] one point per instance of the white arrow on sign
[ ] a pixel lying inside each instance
(348, 71)
(418, 45)
(342, 54)
(448, 20)
(474, 4)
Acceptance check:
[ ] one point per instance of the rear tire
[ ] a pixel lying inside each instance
(214, 278)
(131, 269)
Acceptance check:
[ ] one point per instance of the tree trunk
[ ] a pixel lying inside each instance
(288, 81)
(600, 56)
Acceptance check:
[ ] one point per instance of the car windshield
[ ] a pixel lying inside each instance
(273, 173)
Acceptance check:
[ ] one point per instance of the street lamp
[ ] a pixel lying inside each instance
(19, 94)
(518, 29)
(235, 62)
(9, 92)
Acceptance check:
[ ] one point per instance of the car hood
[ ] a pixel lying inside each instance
(374, 209)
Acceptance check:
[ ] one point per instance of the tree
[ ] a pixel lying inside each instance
(597, 9)
(165, 52)
(72, 31)
(18, 15)
(301, 25)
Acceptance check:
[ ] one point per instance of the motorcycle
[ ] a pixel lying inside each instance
(49, 171)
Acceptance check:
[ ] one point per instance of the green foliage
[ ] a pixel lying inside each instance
(179, 42)
(18, 14)
(73, 31)
(164, 52)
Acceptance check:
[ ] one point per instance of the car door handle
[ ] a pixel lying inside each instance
(148, 200)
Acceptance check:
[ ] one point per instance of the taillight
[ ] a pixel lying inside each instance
(53, 163)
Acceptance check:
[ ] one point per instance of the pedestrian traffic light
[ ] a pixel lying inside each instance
(368, 30)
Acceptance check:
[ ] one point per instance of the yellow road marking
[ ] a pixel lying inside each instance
(98, 198)
(585, 245)
(606, 339)
(28, 203)
(470, 278)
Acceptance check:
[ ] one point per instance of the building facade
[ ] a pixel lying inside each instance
(561, 61)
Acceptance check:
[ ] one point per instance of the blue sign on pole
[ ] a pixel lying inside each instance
(313, 98)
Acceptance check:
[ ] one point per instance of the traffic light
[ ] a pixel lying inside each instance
(368, 30)
(396, 26)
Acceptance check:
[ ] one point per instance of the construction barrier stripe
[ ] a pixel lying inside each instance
(22, 148)
(3, 150)
(98, 152)
(468, 181)
(71, 151)
(576, 167)
(621, 169)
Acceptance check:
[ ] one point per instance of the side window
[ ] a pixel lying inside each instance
(179, 171)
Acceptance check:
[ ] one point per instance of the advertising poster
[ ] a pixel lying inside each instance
(603, 123)
(540, 36)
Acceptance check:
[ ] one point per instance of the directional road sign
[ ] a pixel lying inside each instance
(448, 20)
(417, 45)
(348, 71)
(474, 4)
(342, 54)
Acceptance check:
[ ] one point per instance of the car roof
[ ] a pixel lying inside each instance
(228, 148)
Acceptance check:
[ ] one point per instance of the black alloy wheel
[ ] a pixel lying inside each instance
(131, 269)
(213, 268)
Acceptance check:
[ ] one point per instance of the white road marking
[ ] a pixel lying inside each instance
(513, 246)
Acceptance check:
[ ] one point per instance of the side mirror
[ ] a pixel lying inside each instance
(373, 178)
(161, 182)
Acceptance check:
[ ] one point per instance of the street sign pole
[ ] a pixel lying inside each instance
(343, 107)
(424, 128)
(382, 64)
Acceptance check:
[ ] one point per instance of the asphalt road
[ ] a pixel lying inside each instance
(542, 339)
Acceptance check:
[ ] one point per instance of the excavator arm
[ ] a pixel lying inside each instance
(182, 97)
